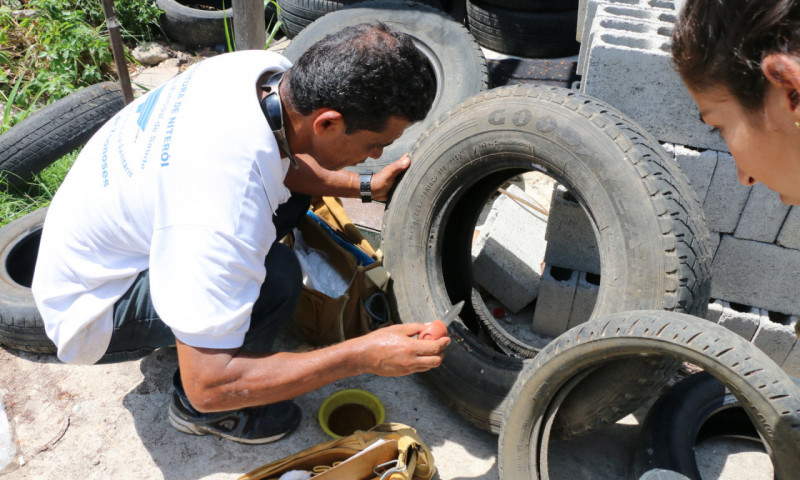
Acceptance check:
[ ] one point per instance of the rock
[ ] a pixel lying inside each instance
(8, 449)
(150, 53)
(25, 13)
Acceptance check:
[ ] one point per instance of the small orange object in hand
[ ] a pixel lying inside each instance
(434, 331)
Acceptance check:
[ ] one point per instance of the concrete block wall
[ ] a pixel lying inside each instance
(625, 61)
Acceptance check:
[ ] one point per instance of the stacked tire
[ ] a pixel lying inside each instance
(296, 15)
(533, 29)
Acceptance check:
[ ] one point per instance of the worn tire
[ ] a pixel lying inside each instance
(770, 397)
(196, 26)
(534, 34)
(55, 130)
(653, 242)
(457, 60)
(296, 15)
(21, 326)
(695, 409)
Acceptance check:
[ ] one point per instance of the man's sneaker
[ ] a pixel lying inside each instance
(252, 425)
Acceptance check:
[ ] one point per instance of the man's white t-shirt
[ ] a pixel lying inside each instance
(183, 181)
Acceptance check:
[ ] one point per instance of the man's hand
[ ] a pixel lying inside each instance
(393, 351)
(383, 181)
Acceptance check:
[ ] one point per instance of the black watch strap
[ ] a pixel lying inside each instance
(366, 186)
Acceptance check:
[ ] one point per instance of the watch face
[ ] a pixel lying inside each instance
(366, 186)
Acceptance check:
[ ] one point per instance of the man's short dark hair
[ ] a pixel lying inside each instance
(722, 43)
(368, 73)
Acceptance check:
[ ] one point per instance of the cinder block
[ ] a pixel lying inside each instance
(625, 15)
(791, 364)
(726, 197)
(714, 239)
(508, 253)
(775, 340)
(570, 237)
(744, 324)
(760, 274)
(554, 304)
(585, 298)
(789, 235)
(698, 166)
(714, 312)
(762, 217)
(633, 71)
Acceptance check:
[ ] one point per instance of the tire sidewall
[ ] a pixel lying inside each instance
(631, 334)
(11, 236)
(194, 26)
(481, 135)
(620, 207)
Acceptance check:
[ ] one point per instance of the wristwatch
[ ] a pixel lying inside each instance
(366, 186)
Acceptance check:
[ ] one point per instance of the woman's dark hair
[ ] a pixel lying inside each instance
(722, 43)
(366, 72)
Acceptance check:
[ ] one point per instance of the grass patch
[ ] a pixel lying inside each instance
(37, 193)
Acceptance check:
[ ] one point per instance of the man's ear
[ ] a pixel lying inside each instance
(327, 121)
(783, 71)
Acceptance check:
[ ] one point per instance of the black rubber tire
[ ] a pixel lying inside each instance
(771, 398)
(21, 326)
(47, 134)
(535, 5)
(196, 26)
(524, 34)
(457, 60)
(693, 410)
(653, 241)
(298, 14)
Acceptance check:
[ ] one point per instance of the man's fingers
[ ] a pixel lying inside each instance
(398, 166)
(432, 347)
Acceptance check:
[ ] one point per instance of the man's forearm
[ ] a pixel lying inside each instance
(228, 380)
(312, 179)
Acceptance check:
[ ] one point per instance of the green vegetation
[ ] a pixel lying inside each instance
(59, 46)
(51, 48)
(38, 192)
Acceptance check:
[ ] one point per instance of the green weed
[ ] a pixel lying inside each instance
(37, 193)
(61, 48)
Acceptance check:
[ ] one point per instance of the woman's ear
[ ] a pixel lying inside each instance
(783, 71)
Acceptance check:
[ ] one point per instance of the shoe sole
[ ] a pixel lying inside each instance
(187, 427)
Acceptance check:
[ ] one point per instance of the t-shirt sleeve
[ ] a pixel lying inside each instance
(204, 283)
